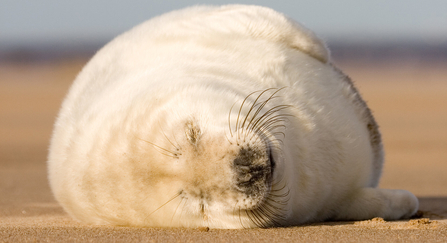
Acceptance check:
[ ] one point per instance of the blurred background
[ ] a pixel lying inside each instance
(395, 51)
(46, 29)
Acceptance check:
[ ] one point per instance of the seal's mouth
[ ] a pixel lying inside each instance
(270, 209)
(271, 160)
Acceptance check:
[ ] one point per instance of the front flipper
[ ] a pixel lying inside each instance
(374, 202)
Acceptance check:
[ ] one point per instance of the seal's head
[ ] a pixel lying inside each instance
(224, 172)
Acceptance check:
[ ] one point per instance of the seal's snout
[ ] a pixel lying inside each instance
(253, 171)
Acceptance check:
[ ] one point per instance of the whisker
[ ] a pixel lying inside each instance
(259, 214)
(172, 156)
(236, 208)
(255, 220)
(175, 211)
(267, 114)
(276, 142)
(262, 217)
(239, 113)
(174, 197)
(266, 212)
(272, 216)
(272, 121)
(254, 104)
(228, 138)
(272, 96)
(175, 146)
(175, 155)
(283, 134)
(279, 189)
(183, 208)
(229, 119)
(282, 203)
(176, 142)
(261, 106)
(240, 220)
(272, 111)
(262, 130)
(271, 127)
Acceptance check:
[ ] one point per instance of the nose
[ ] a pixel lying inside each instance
(253, 170)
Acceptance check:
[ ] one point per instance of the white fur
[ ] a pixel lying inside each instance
(195, 64)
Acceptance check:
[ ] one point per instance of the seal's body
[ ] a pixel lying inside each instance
(226, 117)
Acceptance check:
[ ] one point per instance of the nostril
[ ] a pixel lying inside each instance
(244, 178)
(242, 169)
(258, 172)
(248, 155)
(241, 161)
(251, 174)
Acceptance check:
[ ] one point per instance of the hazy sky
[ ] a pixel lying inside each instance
(71, 21)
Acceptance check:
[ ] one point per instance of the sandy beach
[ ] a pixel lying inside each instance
(408, 99)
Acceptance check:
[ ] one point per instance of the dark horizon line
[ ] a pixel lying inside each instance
(341, 50)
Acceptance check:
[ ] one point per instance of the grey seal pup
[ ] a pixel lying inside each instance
(221, 117)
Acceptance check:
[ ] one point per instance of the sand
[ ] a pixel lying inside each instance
(409, 101)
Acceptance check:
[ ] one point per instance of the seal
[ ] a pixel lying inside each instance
(219, 117)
